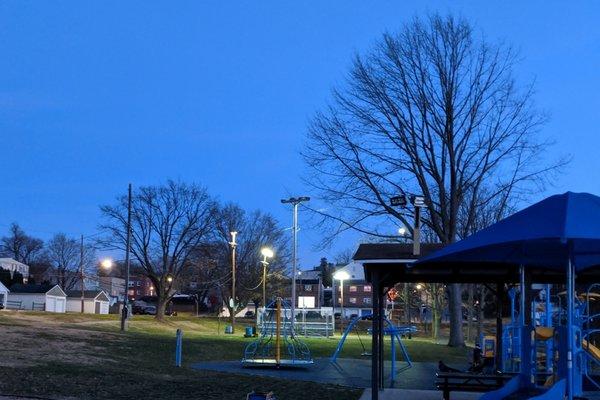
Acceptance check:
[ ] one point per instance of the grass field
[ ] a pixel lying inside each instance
(86, 356)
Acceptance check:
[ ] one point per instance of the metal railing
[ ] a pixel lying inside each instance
(313, 322)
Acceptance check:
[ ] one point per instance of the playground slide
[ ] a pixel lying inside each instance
(555, 392)
(591, 349)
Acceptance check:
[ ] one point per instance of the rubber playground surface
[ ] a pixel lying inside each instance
(345, 371)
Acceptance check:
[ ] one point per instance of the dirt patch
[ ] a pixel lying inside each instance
(34, 342)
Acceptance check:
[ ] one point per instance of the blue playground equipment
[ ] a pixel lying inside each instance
(554, 240)
(394, 332)
(277, 344)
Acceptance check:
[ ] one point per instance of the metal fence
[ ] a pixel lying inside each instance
(308, 322)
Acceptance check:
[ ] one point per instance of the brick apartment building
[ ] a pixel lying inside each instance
(357, 291)
(309, 289)
(140, 286)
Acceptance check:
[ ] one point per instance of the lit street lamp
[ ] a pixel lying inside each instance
(232, 304)
(341, 276)
(266, 253)
(417, 202)
(107, 263)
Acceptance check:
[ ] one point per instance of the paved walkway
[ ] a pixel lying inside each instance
(345, 372)
(395, 394)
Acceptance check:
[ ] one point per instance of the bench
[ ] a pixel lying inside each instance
(466, 382)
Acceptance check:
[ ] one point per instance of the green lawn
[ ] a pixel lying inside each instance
(86, 356)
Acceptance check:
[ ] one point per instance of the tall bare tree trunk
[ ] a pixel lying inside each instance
(436, 315)
(455, 309)
(161, 305)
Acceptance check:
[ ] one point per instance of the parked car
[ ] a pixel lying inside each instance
(249, 314)
(313, 315)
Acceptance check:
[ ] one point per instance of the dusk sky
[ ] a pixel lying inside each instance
(94, 95)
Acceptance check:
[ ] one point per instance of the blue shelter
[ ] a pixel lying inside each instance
(552, 241)
(559, 235)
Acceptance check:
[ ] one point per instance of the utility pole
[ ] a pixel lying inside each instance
(82, 276)
(294, 201)
(417, 202)
(125, 312)
(232, 304)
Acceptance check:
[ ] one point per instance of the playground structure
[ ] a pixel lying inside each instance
(394, 332)
(548, 338)
(277, 345)
(555, 241)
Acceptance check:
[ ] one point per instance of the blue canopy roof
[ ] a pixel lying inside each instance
(543, 235)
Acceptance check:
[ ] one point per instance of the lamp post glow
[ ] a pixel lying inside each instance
(232, 304)
(107, 263)
(341, 276)
(266, 253)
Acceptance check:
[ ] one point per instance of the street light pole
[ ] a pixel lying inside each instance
(294, 201)
(125, 311)
(232, 304)
(342, 305)
(341, 276)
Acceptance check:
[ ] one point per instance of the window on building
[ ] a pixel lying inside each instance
(352, 300)
(352, 288)
(367, 300)
(308, 288)
(367, 288)
(306, 302)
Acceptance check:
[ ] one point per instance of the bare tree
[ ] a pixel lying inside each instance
(64, 255)
(20, 246)
(168, 223)
(255, 230)
(434, 110)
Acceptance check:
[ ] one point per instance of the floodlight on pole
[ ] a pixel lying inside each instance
(294, 201)
(417, 201)
(341, 276)
(266, 253)
(232, 302)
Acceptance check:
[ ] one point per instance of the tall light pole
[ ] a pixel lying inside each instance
(125, 312)
(82, 275)
(294, 201)
(341, 276)
(266, 253)
(232, 304)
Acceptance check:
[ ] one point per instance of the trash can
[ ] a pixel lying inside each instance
(229, 329)
(249, 332)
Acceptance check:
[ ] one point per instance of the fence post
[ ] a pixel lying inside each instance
(179, 337)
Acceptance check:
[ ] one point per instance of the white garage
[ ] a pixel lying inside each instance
(94, 301)
(39, 297)
(3, 296)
